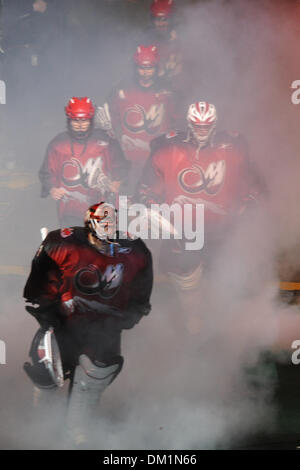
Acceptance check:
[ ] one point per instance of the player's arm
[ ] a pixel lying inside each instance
(115, 112)
(151, 187)
(141, 289)
(42, 289)
(48, 175)
(119, 166)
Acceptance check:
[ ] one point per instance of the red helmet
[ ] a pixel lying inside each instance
(162, 8)
(146, 56)
(80, 108)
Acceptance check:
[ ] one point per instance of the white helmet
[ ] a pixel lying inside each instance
(202, 118)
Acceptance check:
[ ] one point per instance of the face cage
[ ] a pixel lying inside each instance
(80, 135)
(98, 229)
(147, 67)
(165, 26)
(162, 19)
(202, 140)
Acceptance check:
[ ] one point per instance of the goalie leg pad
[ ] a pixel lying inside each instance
(90, 381)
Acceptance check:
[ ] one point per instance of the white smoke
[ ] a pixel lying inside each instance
(179, 390)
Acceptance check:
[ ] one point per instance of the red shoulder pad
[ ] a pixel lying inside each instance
(66, 232)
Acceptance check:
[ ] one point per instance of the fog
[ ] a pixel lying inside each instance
(177, 390)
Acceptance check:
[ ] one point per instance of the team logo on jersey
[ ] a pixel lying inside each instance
(75, 174)
(194, 180)
(136, 119)
(66, 232)
(91, 281)
(171, 134)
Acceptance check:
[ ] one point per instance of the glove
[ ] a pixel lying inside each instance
(133, 315)
(47, 315)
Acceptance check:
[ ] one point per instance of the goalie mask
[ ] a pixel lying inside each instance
(101, 221)
(202, 119)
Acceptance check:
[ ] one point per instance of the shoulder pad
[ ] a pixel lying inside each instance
(230, 139)
(171, 134)
(59, 138)
(66, 232)
(65, 235)
(58, 236)
(171, 138)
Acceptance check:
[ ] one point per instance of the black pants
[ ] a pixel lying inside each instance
(99, 339)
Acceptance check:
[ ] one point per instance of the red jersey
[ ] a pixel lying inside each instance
(74, 166)
(68, 267)
(138, 115)
(217, 176)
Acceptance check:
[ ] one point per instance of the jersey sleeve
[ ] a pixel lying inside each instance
(44, 280)
(119, 164)
(142, 285)
(114, 110)
(48, 172)
(151, 187)
(141, 289)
